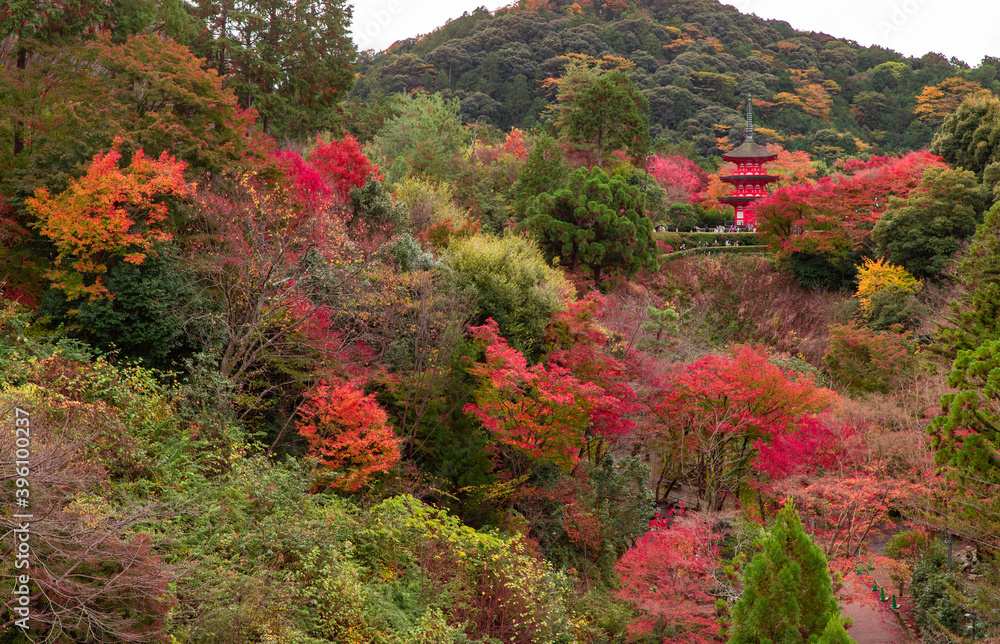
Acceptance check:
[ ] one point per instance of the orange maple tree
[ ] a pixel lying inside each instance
(514, 144)
(111, 212)
(348, 432)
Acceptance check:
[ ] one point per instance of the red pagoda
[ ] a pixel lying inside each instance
(750, 178)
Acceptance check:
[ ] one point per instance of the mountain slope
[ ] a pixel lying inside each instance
(694, 60)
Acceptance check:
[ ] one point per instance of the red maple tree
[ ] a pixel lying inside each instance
(708, 418)
(543, 412)
(578, 344)
(838, 213)
(807, 446)
(668, 576)
(514, 145)
(308, 185)
(343, 164)
(680, 177)
(348, 432)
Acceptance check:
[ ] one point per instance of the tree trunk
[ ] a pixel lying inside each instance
(600, 148)
(22, 62)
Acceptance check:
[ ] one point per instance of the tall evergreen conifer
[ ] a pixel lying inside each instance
(974, 319)
(787, 592)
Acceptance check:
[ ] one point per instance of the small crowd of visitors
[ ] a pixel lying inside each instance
(705, 244)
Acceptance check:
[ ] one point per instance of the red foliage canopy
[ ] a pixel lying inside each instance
(348, 432)
(681, 177)
(709, 415)
(838, 213)
(668, 576)
(514, 145)
(808, 445)
(343, 164)
(541, 411)
(578, 345)
(307, 184)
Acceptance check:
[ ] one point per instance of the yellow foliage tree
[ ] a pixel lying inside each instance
(938, 101)
(877, 276)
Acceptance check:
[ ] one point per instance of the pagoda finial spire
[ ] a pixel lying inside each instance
(749, 119)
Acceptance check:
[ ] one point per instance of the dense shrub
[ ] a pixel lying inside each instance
(866, 360)
(937, 601)
(512, 284)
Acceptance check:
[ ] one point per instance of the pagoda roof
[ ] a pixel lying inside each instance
(744, 199)
(750, 178)
(749, 150)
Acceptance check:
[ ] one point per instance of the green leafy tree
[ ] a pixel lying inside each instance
(787, 591)
(970, 136)
(973, 319)
(611, 112)
(149, 91)
(373, 205)
(595, 222)
(543, 169)
(141, 319)
(32, 30)
(511, 283)
(662, 328)
(922, 232)
(867, 360)
(290, 61)
(682, 215)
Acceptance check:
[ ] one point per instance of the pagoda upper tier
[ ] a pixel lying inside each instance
(750, 179)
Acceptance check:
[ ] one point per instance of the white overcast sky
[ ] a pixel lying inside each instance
(966, 29)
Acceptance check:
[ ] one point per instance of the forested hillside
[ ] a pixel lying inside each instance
(694, 61)
(458, 342)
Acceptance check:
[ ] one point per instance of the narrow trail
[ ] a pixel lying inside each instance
(874, 621)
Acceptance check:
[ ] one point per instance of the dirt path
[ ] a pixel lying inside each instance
(874, 621)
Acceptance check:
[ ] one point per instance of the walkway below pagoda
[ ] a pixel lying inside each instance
(874, 621)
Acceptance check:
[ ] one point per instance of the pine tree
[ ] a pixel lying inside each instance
(974, 318)
(967, 432)
(835, 633)
(595, 222)
(966, 436)
(611, 113)
(787, 592)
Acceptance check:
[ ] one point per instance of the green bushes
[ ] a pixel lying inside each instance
(512, 284)
(489, 582)
(271, 560)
